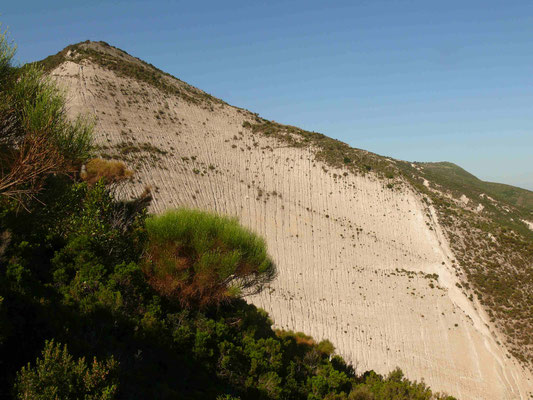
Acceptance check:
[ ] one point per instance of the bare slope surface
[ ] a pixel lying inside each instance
(361, 255)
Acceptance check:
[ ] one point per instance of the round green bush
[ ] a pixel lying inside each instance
(203, 259)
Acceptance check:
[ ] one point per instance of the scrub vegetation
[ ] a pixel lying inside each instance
(330, 151)
(456, 178)
(36, 139)
(98, 169)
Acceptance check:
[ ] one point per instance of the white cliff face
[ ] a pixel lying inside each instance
(354, 257)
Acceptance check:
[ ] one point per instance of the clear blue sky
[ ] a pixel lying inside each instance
(415, 80)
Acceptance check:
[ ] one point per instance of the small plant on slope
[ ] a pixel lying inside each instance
(109, 171)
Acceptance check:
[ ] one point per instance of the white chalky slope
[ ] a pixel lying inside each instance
(353, 255)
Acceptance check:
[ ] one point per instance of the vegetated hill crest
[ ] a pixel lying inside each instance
(463, 181)
(418, 265)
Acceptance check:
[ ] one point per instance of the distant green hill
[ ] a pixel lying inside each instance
(456, 178)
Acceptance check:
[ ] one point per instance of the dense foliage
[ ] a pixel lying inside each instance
(79, 318)
(57, 376)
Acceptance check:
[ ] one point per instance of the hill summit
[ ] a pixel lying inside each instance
(417, 265)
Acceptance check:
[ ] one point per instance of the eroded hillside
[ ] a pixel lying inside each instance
(377, 255)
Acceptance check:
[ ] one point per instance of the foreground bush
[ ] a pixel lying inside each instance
(36, 137)
(56, 375)
(204, 259)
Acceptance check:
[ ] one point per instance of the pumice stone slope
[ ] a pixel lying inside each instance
(391, 261)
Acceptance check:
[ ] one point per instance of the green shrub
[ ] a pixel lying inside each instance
(7, 51)
(361, 393)
(41, 109)
(326, 347)
(202, 258)
(56, 375)
(37, 139)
